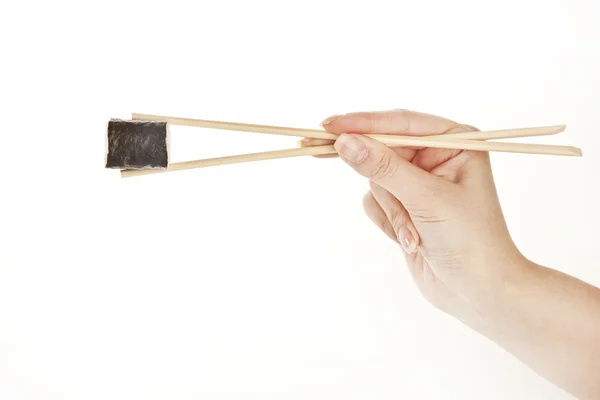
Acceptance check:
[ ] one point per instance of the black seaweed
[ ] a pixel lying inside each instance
(137, 144)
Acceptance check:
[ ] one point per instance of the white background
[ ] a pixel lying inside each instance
(266, 280)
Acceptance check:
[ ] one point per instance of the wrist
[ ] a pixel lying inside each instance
(490, 300)
(503, 287)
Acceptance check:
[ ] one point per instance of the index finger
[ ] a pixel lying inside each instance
(398, 122)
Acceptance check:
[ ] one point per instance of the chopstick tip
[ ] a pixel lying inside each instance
(576, 151)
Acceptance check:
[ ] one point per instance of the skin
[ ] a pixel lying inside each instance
(442, 208)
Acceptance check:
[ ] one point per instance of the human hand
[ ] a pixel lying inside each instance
(440, 205)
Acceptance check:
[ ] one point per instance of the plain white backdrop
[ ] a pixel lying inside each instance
(266, 280)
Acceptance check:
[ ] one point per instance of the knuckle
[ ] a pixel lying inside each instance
(398, 218)
(405, 117)
(384, 167)
(371, 122)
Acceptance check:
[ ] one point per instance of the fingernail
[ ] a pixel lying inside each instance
(469, 128)
(350, 148)
(330, 119)
(407, 240)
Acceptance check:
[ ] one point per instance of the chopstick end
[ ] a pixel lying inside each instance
(576, 151)
(560, 128)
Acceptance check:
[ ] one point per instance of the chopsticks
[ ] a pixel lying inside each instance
(461, 141)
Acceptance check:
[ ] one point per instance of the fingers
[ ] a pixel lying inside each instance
(391, 217)
(389, 122)
(378, 216)
(399, 219)
(430, 159)
(385, 122)
(377, 162)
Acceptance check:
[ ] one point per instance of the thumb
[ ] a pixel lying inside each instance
(410, 184)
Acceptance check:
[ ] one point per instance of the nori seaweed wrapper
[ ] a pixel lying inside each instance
(137, 145)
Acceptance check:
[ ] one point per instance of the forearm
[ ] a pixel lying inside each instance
(551, 322)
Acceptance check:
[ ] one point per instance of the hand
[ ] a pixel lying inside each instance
(440, 205)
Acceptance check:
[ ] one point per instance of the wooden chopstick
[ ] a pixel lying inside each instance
(235, 126)
(242, 158)
(460, 144)
(321, 134)
(479, 135)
